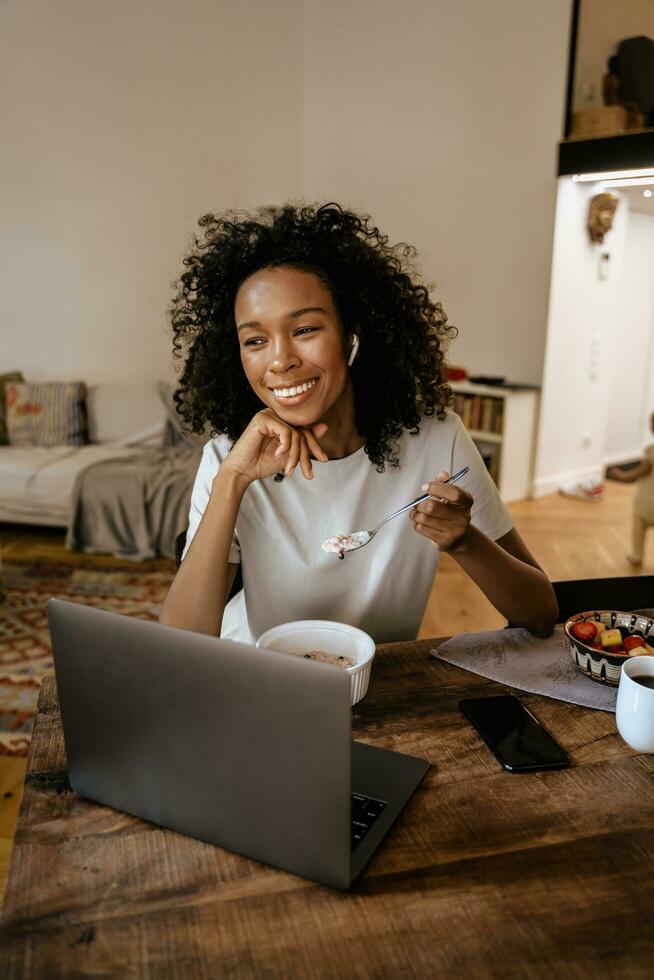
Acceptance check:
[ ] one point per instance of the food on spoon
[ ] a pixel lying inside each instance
(611, 638)
(340, 543)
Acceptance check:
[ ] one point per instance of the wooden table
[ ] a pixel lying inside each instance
(486, 874)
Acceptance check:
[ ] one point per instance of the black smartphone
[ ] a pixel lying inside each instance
(513, 734)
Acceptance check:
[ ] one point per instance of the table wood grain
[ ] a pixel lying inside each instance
(486, 873)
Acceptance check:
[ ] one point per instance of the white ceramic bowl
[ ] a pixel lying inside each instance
(333, 638)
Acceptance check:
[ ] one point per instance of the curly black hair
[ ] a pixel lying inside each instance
(399, 373)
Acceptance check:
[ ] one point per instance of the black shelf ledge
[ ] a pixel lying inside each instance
(628, 151)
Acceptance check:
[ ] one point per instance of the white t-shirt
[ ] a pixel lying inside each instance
(383, 589)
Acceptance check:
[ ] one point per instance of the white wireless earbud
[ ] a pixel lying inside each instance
(353, 351)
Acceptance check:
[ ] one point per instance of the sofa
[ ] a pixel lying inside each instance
(115, 479)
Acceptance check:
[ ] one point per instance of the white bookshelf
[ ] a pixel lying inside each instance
(512, 446)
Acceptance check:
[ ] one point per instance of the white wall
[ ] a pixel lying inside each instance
(584, 314)
(602, 25)
(631, 386)
(441, 120)
(598, 382)
(123, 121)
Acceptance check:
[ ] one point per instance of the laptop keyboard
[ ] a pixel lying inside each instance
(364, 813)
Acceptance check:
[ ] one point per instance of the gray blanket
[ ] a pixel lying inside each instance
(136, 507)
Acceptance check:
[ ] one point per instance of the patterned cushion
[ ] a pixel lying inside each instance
(4, 378)
(50, 414)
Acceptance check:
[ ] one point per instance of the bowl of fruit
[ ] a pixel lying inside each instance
(602, 640)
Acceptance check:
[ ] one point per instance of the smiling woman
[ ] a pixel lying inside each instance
(294, 354)
(311, 349)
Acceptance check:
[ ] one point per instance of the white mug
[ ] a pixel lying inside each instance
(634, 710)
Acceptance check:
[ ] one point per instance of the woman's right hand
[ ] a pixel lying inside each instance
(269, 445)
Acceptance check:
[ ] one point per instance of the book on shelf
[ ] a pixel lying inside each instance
(491, 458)
(481, 413)
(501, 421)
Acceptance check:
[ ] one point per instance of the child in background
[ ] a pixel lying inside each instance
(643, 507)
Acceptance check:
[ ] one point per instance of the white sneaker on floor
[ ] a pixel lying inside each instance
(591, 490)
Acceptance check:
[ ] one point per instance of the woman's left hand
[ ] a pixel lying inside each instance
(445, 517)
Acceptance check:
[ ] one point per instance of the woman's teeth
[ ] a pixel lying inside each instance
(292, 392)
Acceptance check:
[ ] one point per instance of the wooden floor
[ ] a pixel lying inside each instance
(570, 538)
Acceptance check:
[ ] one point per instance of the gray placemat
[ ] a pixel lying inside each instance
(519, 659)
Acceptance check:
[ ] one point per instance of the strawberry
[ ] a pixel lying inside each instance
(630, 642)
(584, 631)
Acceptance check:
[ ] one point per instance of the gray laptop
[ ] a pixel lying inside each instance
(245, 748)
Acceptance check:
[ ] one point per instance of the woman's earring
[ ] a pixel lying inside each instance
(353, 351)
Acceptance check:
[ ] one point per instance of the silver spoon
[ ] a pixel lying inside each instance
(341, 543)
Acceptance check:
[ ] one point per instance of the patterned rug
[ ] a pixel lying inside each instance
(25, 654)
